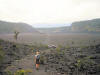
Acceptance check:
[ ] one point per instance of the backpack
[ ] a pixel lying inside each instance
(37, 57)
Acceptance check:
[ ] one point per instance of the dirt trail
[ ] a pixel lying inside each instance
(47, 39)
(27, 63)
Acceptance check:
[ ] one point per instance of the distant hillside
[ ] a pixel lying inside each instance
(9, 27)
(88, 26)
(55, 29)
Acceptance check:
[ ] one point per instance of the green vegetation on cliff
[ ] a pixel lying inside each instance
(87, 26)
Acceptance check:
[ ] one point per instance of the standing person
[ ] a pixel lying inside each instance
(37, 60)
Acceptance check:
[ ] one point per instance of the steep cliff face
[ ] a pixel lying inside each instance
(10, 52)
(9, 27)
(76, 27)
(86, 26)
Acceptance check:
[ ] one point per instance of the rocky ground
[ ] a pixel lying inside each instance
(75, 60)
(84, 60)
(26, 64)
(10, 52)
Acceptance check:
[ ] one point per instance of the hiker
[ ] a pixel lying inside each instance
(37, 60)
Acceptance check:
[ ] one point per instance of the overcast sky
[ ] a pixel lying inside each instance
(49, 11)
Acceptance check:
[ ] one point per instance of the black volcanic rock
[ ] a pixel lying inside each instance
(87, 61)
(12, 51)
